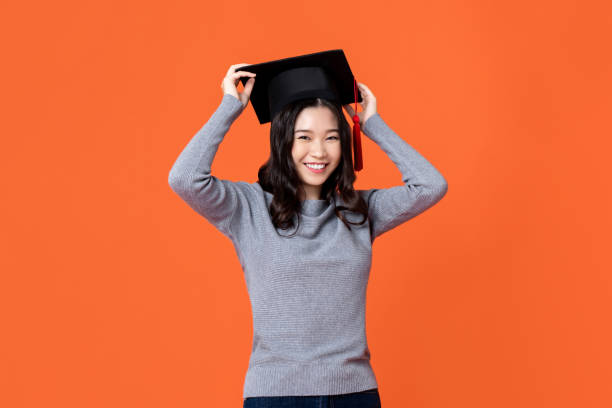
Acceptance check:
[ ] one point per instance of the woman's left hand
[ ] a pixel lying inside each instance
(368, 105)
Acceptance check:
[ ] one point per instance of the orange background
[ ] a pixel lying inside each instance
(114, 293)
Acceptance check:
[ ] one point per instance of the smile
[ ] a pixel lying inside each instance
(316, 168)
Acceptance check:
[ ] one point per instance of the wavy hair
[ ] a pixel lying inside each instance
(279, 176)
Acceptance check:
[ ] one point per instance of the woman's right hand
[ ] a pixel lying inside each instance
(231, 80)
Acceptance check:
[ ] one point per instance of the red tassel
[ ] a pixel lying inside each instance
(357, 160)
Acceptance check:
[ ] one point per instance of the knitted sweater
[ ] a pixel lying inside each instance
(307, 292)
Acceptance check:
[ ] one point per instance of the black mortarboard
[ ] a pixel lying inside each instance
(323, 74)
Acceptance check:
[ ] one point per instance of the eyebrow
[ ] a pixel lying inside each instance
(310, 131)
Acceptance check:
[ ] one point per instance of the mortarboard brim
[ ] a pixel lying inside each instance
(323, 74)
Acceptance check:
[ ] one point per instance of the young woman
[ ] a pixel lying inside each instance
(304, 238)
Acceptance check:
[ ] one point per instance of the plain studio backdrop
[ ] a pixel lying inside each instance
(114, 293)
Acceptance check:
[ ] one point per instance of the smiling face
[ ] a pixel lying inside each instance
(316, 139)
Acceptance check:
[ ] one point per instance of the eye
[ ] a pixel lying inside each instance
(305, 136)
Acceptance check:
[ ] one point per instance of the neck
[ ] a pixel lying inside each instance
(309, 192)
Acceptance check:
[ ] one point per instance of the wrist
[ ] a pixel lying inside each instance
(366, 118)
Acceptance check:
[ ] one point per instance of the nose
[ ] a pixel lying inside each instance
(317, 150)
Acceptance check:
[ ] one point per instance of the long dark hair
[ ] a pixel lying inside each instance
(279, 176)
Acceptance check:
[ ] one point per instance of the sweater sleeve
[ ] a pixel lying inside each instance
(215, 199)
(423, 186)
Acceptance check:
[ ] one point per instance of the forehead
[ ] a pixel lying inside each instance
(316, 118)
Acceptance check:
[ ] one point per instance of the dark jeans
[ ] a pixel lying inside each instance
(362, 399)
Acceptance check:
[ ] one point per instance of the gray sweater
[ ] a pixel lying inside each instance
(307, 292)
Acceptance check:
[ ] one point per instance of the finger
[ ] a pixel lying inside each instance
(363, 94)
(237, 75)
(243, 73)
(368, 92)
(249, 86)
(232, 68)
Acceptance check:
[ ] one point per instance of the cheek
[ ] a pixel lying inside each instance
(297, 154)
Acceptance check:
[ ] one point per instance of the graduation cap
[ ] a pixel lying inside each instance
(323, 74)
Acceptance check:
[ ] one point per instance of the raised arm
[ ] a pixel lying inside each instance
(423, 186)
(190, 178)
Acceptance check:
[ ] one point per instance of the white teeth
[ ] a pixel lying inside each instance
(315, 166)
